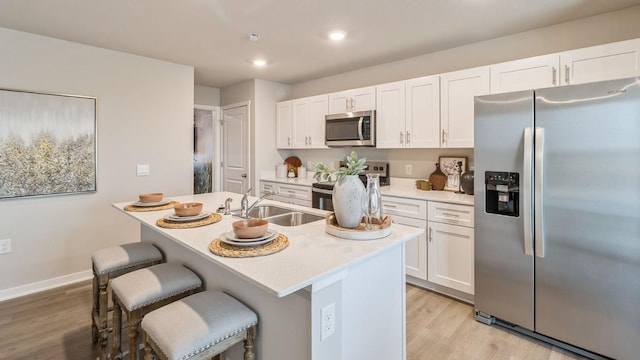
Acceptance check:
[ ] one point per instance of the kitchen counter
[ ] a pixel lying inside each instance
(289, 289)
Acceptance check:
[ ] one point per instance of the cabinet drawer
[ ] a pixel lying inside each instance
(416, 209)
(295, 192)
(451, 213)
(266, 187)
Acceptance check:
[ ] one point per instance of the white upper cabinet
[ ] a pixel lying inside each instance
(423, 112)
(353, 100)
(603, 62)
(408, 113)
(456, 105)
(300, 123)
(390, 115)
(283, 125)
(532, 73)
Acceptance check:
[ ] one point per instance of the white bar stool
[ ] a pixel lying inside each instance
(199, 327)
(107, 264)
(142, 291)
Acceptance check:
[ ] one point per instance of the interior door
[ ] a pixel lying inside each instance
(235, 149)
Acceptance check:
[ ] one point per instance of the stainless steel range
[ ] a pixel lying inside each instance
(322, 192)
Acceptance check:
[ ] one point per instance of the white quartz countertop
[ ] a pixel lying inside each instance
(400, 187)
(311, 257)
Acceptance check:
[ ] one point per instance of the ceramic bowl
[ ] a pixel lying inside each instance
(188, 209)
(250, 228)
(150, 197)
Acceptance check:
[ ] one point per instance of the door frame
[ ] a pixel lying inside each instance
(249, 149)
(217, 116)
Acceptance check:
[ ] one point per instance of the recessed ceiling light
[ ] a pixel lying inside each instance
(253, 37)
(337, 35)
(259, 62)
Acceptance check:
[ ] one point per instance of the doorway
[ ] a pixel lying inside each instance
(205, 141)
(236, 170)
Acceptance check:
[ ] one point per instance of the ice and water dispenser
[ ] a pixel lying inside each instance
(502, 190)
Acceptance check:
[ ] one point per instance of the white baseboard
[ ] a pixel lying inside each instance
(35, 287)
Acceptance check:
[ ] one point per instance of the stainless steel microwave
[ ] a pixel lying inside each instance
(351, 129)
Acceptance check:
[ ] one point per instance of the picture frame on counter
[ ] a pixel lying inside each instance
(47, 144)
(449, 166)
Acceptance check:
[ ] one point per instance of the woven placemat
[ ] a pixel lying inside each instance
(167, 206)
(227, 250)
(211, 219)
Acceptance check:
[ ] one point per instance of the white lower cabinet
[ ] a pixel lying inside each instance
(450, 246)
(410, 212)
(288, 193)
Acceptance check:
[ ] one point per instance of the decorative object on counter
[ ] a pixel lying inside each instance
(348, 192)
(150, 197)
(220, 248)
(425, 185)
(250, 228)
(467, 182)
(372, 202)
(302, 172)
(281, 171)
(212, 218)
(292, 172)
(459, 175)
(187, 209)
(378, 229)
(449, 166)
(293, 162)
(141, 207)
(437, 179)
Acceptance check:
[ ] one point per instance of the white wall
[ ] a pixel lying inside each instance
(145, 116)
(205, 95)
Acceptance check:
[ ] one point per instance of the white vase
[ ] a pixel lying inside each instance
(347, 201)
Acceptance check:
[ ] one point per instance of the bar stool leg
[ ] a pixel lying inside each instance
(94, 311)
(147, 348)
(134, 323)
(249, 344)
(117, 326)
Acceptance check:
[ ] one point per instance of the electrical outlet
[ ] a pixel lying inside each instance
(328, 321)
(408, 169)
(5, 246)
(142, 170)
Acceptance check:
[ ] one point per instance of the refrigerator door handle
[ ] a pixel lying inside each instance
(526, 192)
(539, 176)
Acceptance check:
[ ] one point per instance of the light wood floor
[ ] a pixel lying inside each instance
(56, 324)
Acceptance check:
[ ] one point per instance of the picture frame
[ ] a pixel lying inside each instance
(47, 144)
(449, 166)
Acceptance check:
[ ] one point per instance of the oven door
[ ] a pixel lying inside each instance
(321, 199)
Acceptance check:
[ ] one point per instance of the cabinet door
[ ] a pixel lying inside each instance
(450, 256)
(603, 62)
(390, 115)
(283, 125)
(363, 99)
(415, 250)
(457, 92)
(532, 73)
(422, 122)
(339, 102)
(318, 109)
(299, 119)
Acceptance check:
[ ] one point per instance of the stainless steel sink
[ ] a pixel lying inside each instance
(264, 211)
(294, 218)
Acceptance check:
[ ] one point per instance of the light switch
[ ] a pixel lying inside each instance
(142, 170)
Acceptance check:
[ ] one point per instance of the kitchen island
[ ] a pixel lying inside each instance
(363, 282)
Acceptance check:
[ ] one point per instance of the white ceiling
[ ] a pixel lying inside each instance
(211, 35)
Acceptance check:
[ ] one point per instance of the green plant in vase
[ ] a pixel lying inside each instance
(353, 167)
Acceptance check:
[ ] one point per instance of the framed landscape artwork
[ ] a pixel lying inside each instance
(47, 144)
(450, 167)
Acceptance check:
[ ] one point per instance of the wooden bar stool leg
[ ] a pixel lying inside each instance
(117, 326)
(134, 323)
(147, 348)
(95, 334)
(249, 344)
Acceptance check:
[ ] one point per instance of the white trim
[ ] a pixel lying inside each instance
(43, 285)
(217, 138)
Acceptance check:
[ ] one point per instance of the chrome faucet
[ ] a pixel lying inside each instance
(227, 206)
(244, 203)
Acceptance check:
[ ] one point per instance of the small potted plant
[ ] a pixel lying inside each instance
(348, 191)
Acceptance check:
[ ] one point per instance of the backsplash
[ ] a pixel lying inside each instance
(421, 161)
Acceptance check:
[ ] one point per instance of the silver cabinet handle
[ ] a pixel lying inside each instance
(539, 192)
(389, 206)
(566, 74)
(526, 192)
(450, 215)
(408, 138)
(289, 140)
(443, 136)
(352, 103)
(401, 137)
(553, 75)
(346, 104)
(309, 140)
(430, 234)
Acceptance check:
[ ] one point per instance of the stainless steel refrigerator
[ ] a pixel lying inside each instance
(557, 214)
